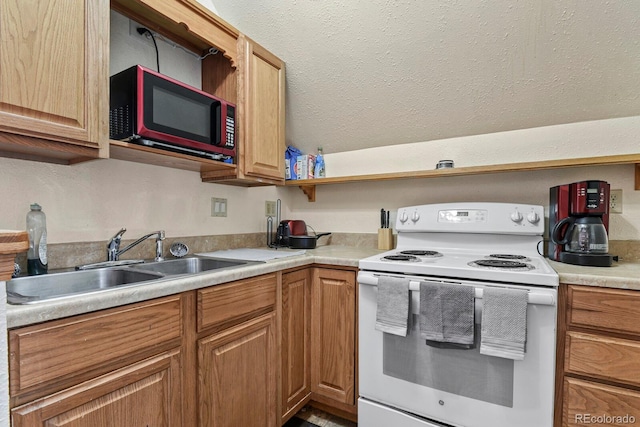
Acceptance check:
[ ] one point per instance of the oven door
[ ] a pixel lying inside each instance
(455, 386)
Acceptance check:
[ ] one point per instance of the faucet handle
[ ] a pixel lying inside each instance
(114, 245)
(119, 234)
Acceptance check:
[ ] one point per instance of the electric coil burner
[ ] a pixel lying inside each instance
(500, 264)
(409, 258)
(509, 256)
(423, 253)
(403, 381)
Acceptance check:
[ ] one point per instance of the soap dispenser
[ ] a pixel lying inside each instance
(37, 229)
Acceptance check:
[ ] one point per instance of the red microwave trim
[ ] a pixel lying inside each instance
(145, 132)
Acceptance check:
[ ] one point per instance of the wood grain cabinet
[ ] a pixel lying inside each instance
(243, 73)
(258, 88)
(123, 365)
(54, 79)
(333, 338)
(237, 354)
(296, 341)
(599, 357)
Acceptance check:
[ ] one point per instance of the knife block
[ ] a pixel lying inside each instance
(385, 239)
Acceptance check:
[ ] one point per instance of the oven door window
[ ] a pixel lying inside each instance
(464, 372)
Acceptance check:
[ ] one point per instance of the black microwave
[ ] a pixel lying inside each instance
(149, 108)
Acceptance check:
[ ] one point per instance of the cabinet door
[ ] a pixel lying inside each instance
(147, 393)
(296, 323)
(590, 403)
(261, 111)
(237, 375)
(54, 75)
(333, 326)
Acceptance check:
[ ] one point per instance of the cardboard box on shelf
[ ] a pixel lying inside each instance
(305, 166)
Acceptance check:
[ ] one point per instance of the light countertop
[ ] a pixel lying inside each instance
(21, 315)
(623, 275)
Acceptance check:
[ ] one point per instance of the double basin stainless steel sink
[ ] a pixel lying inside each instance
(34, 289)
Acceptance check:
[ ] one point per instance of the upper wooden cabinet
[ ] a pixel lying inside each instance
(53, 79)
(260, 88)
(243, 73)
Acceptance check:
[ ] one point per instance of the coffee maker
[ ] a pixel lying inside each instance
(579, 222)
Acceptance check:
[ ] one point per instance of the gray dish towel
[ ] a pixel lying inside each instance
(504, 322)
(392, 313)
(447, 313)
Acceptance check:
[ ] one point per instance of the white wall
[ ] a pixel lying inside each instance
(91, 201)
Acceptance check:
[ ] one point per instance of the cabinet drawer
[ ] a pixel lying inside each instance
(228, 304)
(613, 359)
(610, 309)
(84, 345)
(587, 403)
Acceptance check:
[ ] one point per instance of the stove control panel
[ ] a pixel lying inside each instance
(462, 215)
(500, 218)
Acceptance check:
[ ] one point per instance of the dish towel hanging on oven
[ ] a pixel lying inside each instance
(447, 313)
(504, 322)
(392, 313)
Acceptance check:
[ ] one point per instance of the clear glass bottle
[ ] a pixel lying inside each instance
(319, 171)
(37, 229)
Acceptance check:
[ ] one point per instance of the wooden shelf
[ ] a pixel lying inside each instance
(139, 153)
(308, 185)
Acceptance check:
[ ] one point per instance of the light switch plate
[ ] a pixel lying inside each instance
(270, 208)
(218, 207)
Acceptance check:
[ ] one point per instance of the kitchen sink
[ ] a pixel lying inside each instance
(191, 265)
(33, 289)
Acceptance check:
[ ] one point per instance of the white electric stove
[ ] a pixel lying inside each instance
(407, 384)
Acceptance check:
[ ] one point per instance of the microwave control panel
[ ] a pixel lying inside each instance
(230, 127)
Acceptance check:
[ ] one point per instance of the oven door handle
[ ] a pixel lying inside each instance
(537, 298)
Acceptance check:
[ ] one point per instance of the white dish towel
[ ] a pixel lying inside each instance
(392, 313)
(504, 322)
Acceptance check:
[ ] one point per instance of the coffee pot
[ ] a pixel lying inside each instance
(578, 223)
(583, 235)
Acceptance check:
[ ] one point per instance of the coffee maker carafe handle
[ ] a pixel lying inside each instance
(555, 234)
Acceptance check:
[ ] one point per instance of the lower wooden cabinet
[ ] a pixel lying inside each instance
(246, 353)
(333, 338)
(146, 393)
(591, 403)
(121, 366)
(296, 341)
(237, 353)
(237, 375)
(598, 374)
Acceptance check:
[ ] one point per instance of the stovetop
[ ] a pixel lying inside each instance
(524, 269)
(490, 241)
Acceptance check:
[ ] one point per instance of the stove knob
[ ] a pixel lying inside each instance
(533, 218)
(404, 217)
(516, 216)
(415, 217)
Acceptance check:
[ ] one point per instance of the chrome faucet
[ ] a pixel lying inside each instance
(114, 251)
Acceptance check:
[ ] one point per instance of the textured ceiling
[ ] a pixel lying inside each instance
(371, 73)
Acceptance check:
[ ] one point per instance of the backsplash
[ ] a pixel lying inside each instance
(69, 255)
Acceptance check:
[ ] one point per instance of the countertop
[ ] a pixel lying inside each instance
(21, 315)
(622, 275)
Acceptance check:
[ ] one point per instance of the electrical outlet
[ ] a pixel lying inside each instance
(135, 32)
(270, 208)
(218, 207)
(615, 201)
